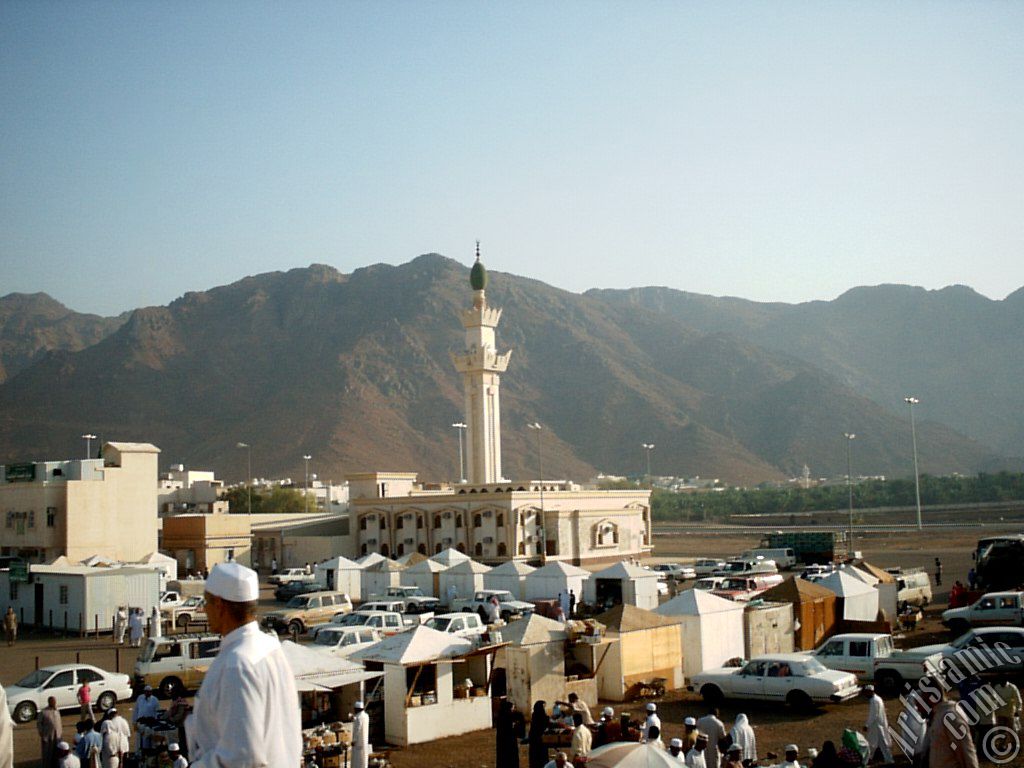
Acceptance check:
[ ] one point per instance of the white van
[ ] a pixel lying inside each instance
(913, 588)
(784, 557)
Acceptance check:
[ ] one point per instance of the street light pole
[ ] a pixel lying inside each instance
(540, 465)
(648, 447)
(462, 464)
(306, 457)
(88, 444)
(248, 487)
(911, 401)
(849, 484)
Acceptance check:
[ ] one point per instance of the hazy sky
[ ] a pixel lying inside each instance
(771, 150)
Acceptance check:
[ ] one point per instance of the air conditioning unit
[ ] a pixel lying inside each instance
(446, 542)
(488, 539)
(487, 513)
(409, 540)
(447, 515)
(371, 542)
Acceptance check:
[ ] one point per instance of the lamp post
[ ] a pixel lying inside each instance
(849, 483)
(540, 466)
(306, 457)
(462, 464)
(88, 444)
(648, 447)
(911, 401)
(248, 487)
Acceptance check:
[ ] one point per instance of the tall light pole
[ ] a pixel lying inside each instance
(648, 447)
(462, 464)
(306, 457)
(849, 483)
(248, 487)
(540, 465)
(911, 401)
(88, 444)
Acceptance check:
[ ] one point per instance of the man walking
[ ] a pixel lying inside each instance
(135, 627)
(11, 626)
(360, 737)
(120, 625)
(48, 725)
(714, 728)
(245, 712)
(877, 727)
(85, 700)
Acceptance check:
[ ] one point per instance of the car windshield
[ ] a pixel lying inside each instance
(503, 597)
(147, 651)
(704, 584)
(811, 667)
(35, 679)
(441, 625)
(734, 584)
(298, 601)
(328, 638)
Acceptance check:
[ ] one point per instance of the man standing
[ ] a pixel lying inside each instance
(85, 700)
(579, 705)
(652, 719)
(65, 757)
(155, 627)
(1009, 713)
(695, 757)
(938, 572)
(245, 713)
(135, 627)
(452, 593)
(877, 727)
(949, 738)
(116, 739)
(273, 565)
(689, 734)
(120, 625)
(714, 728)
(174, 752)
(147, 705)
(11, 625)
(360, 737)
(675, 748)
(582, 739)
(49, 726)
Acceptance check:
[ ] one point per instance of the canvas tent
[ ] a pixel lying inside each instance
(534, 661)
(710, 627)
(167, 565)
(426, 575)
(552, 579)
(884, 583)
(641, 646)
(767, 628)
(411, 558)
(425, 696)
(467, 577)
(370, 558)
(857, 601)
(375, 579)
(450, 557)
(341, 574)
(814, 610)
(631, 754)
(622, 583)
(510, 575)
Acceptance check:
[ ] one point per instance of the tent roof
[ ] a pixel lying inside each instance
(624, 570)
(384, 566)
(883, 576)
(532, 630)
(450, 557)
(426, 566)
(338, 562)
(797, 590)
(512, 568)
(860, 574)
(558, 569)
(156, 557)
(411, 558)
(696, 602)
(629, 618)
(627, 754)
(369, 559)
(62, 562)
(420, 646)
(469, 566)
(321, 671)
(845, 585)
(99, 560)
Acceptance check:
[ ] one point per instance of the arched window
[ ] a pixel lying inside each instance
(419, 522)
(522, 547)
(478, 550)
(437, 548)
(400, 550)
(399, 522)
(362, 550)
(422, 549)
(502, 549)
(461, 548)
(437, 521)
(384, 550)
(383, 522)
(362, 523)
(477, 521)
(501, 519)
(458, 521)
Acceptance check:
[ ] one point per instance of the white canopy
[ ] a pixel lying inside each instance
(711, 629)
(467, 576)
(322, 672)
(510, 575)
(629, 754)
(426, 575)
(860, 602)
(532, 630)
(450, 557)
(341, 574)
(370, 558)
(420, 646)
(549, 580)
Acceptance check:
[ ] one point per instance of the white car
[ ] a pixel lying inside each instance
(709, 582)
(467, 625)
(680, 572)
(341, 641)
(796, 679)
(708, 567)
(62, 681)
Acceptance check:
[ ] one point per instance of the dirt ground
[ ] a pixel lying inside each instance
(775, 726)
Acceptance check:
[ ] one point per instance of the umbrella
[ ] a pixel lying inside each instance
(629, 754)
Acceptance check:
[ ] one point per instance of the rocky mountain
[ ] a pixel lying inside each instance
(354, 369)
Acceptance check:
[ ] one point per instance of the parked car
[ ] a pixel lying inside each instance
(1010, 640)
(784, 557)
(893, 672)
(709, 583)
(341, 641)
(413, 598)
(290, 589)
(290, 574)
(388, 622)
(913, 588)
(304, 611)
(191, 610)
(855, 652)
(175, 664)
(744, 567)
(708, 567)
(467, 625)
(508, 606)
(799, 680)
(994, 608)
(172, 598)
(62, 681)
(743, 588)
(676, 570)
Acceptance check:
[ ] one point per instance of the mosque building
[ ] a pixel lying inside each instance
(488, 516)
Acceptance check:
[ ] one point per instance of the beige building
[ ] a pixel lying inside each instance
(488, 517)
(82, 507)
(200, 541)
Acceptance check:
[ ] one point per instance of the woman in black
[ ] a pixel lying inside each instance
(538, 724)
(509, 725)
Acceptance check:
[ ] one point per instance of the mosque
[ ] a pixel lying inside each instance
(488, 516)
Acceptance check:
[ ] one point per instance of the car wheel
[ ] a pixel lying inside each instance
(889, 682)
(295, 627)
(106, 700)
(171, 687)
(712, 694)
(506, 616)
(799, 701)
(183, 620)
(25, 712)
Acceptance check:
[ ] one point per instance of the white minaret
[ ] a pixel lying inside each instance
(481, 366)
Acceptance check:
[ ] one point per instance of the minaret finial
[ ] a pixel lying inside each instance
(478, 250)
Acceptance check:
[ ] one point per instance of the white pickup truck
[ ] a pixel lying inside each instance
(992, 609)
(508, 606)
(412, 597)
(874, 657)
(287, 575)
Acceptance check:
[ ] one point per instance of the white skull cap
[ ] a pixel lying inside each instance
(234, 582)
(652, 707)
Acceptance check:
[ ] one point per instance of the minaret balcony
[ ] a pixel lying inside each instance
(481, 360)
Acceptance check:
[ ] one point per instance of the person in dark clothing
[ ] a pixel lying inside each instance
(538, 751)
(938, 572)
(510, 730)
(828, 757)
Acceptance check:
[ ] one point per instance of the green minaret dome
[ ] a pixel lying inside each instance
(478, 274)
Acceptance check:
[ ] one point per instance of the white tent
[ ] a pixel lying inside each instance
(420, 646)
(370, 558)
(341, 574)
(510, 575)
(426, 575)
(375, 579)
(549, 580)
(711, 628)
(859, 574)
(622, 583)
(168, 566)
(450, 557)
(630, 754)
(467, 577)
(859, 601)
(320, 671)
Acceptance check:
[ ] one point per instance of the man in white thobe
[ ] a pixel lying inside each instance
(877, 727)
(652, 719)
(563, 602)
(155, 627)
(714, 729)
(246, 713)
(791, 761)
(120, 625)
(360, 737)
(116, 739)
(147, 705)
(135, 627)
(695, 757)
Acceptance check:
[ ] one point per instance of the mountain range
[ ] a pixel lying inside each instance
(354, 369)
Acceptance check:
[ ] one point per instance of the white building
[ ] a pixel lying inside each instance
(183, 491)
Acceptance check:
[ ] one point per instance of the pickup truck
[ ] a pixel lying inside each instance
(479, 603)
(192, 610)
(387, 622)
(994, 608)
(467, 625)
(413, 598)
(290, 574)
(855, 652)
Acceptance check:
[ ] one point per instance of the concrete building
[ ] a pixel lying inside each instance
(198, 542)
(184, 491)
(82, 507)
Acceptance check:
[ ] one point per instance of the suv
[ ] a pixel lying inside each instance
(175, 664)
(343, 641)
(304, 611)
(413, 597)
(466, 625)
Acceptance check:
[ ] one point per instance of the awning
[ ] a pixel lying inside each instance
(328, 681)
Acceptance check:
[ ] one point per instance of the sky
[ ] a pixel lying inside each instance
(782, 151)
